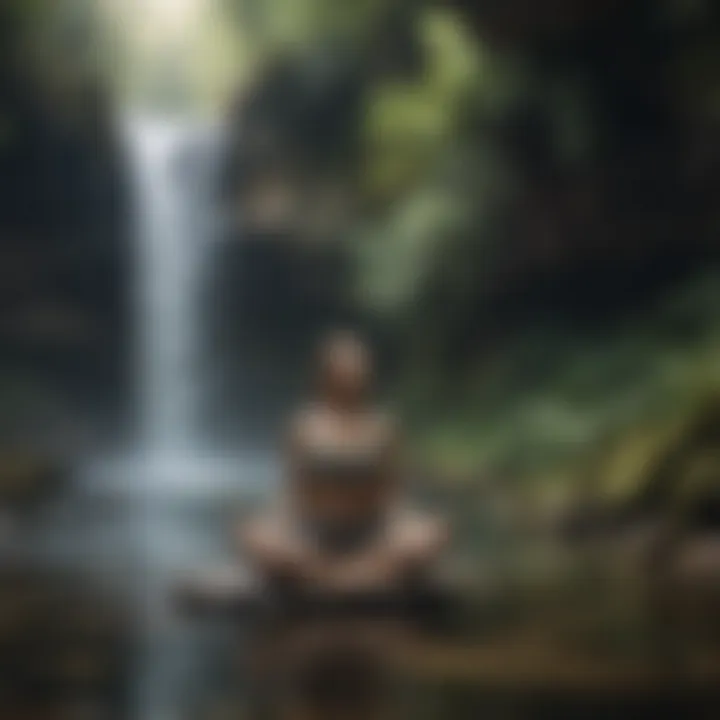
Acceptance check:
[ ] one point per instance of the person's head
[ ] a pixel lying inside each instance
(346, 368)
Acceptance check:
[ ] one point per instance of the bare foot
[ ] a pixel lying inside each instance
(417, 542)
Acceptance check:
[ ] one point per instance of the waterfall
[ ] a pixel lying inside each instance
(172, 495)
(172, 164)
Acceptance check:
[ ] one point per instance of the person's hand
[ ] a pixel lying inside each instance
(367, 571)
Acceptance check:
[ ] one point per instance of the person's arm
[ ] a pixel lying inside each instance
(395, 461)
(292, 455)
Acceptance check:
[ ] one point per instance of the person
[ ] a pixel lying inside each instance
(342, 523)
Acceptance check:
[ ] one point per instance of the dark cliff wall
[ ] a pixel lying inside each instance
(64, 211)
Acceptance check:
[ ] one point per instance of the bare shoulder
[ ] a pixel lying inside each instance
(304, 423)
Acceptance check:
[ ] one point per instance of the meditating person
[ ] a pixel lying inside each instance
(342, 523)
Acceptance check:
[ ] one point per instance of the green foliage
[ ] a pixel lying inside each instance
(628, 389)
(273, 23)
(394, 265)
(410, 126)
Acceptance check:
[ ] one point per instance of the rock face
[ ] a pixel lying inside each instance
(287, 189)
(63, 218)
(65, 647)
(271, 300)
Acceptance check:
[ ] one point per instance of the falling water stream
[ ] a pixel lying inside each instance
(173, 164)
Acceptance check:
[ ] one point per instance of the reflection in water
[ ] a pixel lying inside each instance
(326, 669)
